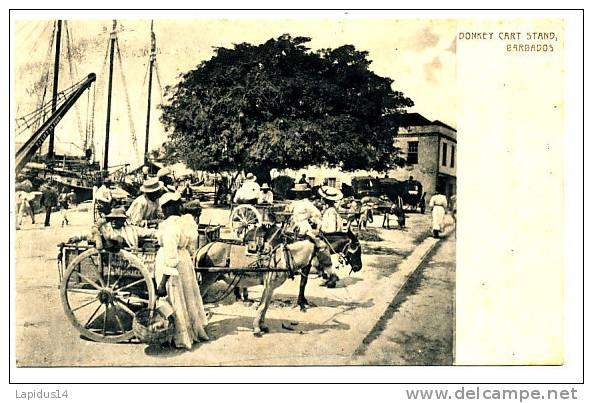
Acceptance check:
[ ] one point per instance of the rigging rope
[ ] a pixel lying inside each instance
(158, 79)
(72, 71)
(32, 119)
(123, 78)
(45, 77)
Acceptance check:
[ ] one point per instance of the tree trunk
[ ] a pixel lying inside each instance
(263, 174)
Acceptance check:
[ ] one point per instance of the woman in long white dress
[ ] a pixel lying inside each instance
(175, 274)
(438, 202)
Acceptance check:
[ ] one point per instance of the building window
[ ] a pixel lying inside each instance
(311, 181)
(452, 156)
(444, 162)
(331, 182)
(412, 152)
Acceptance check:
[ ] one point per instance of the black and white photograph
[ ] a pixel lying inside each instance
(235, 192)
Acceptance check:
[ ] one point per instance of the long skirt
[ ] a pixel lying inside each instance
(438, 218)
(184, 296)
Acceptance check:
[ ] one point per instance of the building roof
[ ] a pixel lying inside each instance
(416, 119)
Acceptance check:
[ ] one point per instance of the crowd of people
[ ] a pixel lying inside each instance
(158, 212)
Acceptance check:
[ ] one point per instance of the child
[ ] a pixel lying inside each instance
(64, 207)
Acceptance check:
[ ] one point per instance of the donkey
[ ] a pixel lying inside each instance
(344, 244)
(291, 258)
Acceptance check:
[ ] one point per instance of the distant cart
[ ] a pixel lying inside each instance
(249, 216)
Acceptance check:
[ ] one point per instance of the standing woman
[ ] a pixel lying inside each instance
(175, 274)
(438, 202)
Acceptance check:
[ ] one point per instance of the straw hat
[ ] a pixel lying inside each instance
(163, 172)
(151, 185)
(117, 213)
(265, 187)
(330, 193)
(169, 197)
(250, 177)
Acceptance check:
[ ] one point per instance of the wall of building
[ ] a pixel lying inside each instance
(447, 168)
(425, 171)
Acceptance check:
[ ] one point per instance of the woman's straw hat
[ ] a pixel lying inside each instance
(330, 193)
(169, 197)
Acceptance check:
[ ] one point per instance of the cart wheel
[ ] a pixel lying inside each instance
(99, 301)
(243, 218)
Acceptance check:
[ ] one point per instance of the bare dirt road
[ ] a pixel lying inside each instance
(419, 328)
(328, 333)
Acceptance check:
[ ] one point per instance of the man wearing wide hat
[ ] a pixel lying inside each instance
(103, 197)
(165, 176)
(249, 192)
(306, 221)
(115, 228)
(146, 206)
(330, 220)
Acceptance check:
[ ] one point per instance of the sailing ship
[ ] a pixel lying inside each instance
(77, 173)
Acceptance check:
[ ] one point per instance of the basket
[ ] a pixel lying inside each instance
(152, 327)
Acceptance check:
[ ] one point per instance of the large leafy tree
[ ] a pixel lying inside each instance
(281, 105)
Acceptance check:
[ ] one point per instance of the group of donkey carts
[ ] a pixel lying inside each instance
(103, 290)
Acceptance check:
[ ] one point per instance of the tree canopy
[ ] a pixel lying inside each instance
(281, 105)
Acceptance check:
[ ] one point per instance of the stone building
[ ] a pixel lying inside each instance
(430, 148)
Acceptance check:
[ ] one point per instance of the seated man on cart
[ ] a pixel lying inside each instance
(115, 231)
(145, 208)
(249, 192)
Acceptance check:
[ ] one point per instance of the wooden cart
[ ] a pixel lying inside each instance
(102, 290)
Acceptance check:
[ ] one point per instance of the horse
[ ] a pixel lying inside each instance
(300, 255)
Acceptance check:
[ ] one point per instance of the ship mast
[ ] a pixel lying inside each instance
(113, 38)
(54, 100)
(150, 68)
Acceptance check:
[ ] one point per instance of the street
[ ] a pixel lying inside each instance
(341, 327)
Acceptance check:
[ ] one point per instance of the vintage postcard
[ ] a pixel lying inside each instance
(282, 190)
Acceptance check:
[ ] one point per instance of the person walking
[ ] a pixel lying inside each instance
(438, 203)
(24, 207)
(49, 200)
(64, 205)
(175, 274)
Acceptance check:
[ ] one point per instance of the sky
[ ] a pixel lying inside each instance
(419, 55)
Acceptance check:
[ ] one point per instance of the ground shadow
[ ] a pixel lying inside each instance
(232, 326)
(288, 301)
(382, 250)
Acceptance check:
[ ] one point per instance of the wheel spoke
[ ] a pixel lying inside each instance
(108, 268)
(130, 285)
(105, 318)
(118, 320)
(82, 291)
(117, 281)
(138, 299)
(85, 304)
(91, 282)
(123, 306)
(88, 322)
(98, 269)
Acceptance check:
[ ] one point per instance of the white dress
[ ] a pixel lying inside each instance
(438, 202)
(177, 238)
